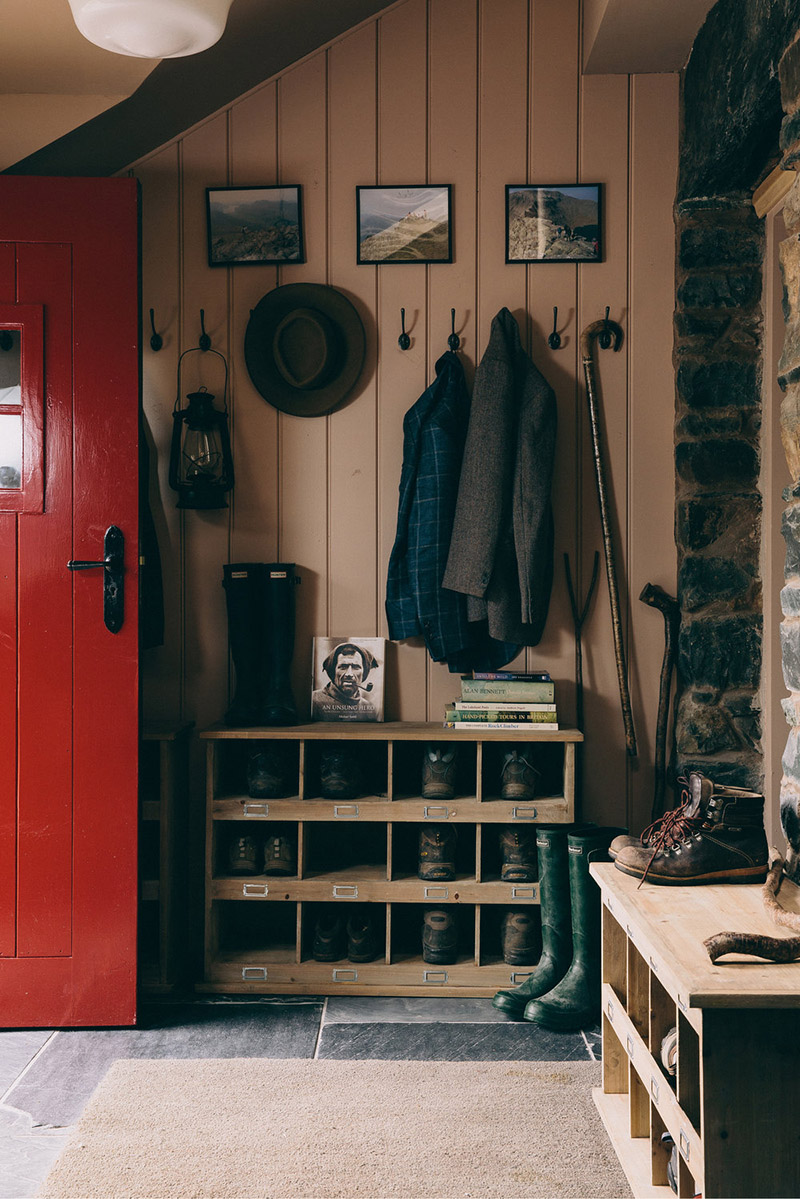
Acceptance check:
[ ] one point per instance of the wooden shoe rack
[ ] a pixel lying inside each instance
(729, 1110)
(259, 929)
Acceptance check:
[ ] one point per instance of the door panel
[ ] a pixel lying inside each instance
(68, 771)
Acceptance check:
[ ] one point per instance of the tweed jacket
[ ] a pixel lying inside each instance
(434, 429)
(501, 550)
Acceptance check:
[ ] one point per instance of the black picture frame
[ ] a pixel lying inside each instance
(254, 225)
(554, 222)
(406, 223)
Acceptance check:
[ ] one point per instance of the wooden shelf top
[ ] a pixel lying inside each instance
(670, 924)
(365, 730)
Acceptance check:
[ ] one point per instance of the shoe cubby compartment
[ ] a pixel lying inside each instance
(408, 763)
(335, 928)
(546, 759)
(405, 860)
(734, 1019)
(354, 770)
(230, 863)
(519, 840)
(490, 940)
(363, 848)
(407, 927)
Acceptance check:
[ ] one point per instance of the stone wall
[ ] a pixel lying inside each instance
(732, 113)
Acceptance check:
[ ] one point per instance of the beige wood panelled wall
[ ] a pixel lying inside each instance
(478, 94)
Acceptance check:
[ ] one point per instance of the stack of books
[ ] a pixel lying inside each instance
(522, 701)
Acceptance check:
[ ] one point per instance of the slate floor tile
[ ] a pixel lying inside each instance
(390, 1009)
(456, 1042)
(17, 1048)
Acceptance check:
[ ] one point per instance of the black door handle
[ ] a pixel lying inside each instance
(114, 568)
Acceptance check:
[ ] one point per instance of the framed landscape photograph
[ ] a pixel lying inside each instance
(347, 678)
(404, 224)
(252, 225)
(553, 223)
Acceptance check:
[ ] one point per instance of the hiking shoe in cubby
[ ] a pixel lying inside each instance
(269, 774)
(330, 940)
(243, 855)
(439, 937)
(439, 771)
(716, 837)
(518, 847)
(521, 937)
(437, 853)
(340, 773)
(519, 776)
(280, 856)
(363, 938)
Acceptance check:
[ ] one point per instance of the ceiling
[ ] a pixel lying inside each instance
(67, 107)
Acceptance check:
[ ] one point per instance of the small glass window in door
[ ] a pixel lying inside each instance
(21, 408)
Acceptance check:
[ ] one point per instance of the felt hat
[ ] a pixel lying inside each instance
(304, 348)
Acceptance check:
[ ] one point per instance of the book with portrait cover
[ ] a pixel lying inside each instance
(347, 678)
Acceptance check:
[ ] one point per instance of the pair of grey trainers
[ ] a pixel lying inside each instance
(517, 781)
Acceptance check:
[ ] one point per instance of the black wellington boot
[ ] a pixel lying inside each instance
(242, 583)
(575, 1001)
(277, 701)
(551, 844)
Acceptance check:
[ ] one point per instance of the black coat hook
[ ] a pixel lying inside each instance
(554, 340)
(205, 341)
(404, 341)
(605, 337)
(156, 341)
(453, 340)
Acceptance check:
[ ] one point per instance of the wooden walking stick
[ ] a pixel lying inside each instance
(604, 329)
(669, 608)
(774, 949)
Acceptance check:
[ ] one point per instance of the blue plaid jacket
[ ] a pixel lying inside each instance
(434, 431)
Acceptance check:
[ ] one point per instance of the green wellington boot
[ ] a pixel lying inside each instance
(575, 1001)
(551, 846)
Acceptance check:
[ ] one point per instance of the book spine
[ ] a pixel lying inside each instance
(509, 726)
(498, 716)
(530, 676)
(496, 705)
(505, 690)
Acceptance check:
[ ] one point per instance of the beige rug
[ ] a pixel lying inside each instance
(302, 1129)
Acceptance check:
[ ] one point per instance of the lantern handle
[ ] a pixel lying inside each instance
(200, 350)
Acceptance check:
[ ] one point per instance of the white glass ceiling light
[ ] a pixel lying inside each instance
(151, 28)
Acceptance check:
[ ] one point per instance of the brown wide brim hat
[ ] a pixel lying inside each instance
(304, 348)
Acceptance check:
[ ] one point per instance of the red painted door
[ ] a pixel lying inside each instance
(68, 685)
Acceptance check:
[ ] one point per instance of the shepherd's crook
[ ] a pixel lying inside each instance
(590, 332)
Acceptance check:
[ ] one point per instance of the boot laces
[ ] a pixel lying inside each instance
(672, 828)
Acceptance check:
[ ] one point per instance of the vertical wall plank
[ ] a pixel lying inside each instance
(162, 666)
(254, 429)
(604, 158)
(303, 441)
(653, 172)
(352, 532)
(8, 679)
(402, 375)
(206, 534)
(553, 156)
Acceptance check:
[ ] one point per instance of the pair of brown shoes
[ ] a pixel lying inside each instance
(278, 855)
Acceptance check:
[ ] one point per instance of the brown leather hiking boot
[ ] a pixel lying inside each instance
(716, 837)
(437, 853)
(518, 847)
(521, 937)
(665, 823)
(280, 856)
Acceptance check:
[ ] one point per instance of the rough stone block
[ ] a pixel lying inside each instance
(790, 131)
(703, 581)
(791, 756)
(715, 245)
(740, 769)
(789, 75)
(790, 601)
(790, 653)
(721, 652)
(705, 519)
(710, 327)
(790, 429)
(719, 424)
(720, 289)
(791, 205)
(702, 729)
(790, 821)
(720, 384)
(790, 529)
(722, 462)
